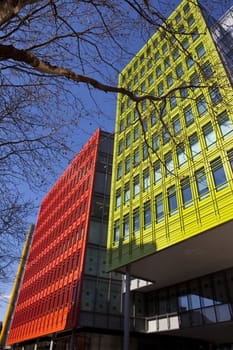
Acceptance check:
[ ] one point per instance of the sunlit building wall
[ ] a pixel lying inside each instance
(173, 156)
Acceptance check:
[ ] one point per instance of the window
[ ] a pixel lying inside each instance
(136, 221)
(127, 140)
(147, 215)
(119, 171)
(200, 50)
(218, 172)
(136, 157)
(166, 135)
(194, 145)
(207, 70)
(230, 157)
(185, 44)
(155, 142)
(215, 94)
(136, 132)
(136, 186)
(178, 18)
(142, 72)
(126, 227)
(169, 164)
(155, 43)
(195, 34)
(163, 109)
(201, 105)
(173, 101)
(170, 80)
(179, 71)
(209, 135)
(145, 151)
(144, 125)
(146, 179)
(164, 48)
(181, 155)
(167, 63)
(194, 80)
(186, 8)
(122, 107)
(157, 172)
(116, 231)
(129, 102)
(186, 192)
(188, 115)
(135, 79)
(172, 200)
(183, 92)
(128, 119)
(176, 125)
(149, 64)
(143, 87)
(143, 105)
(150, 79)
(127, 164)
(160, 88)
(190, 20)
(176, 54)
(142, 58)
(153, 118)
(159, 208)
(121, 125)
(189, 62)
(135, 65)
(120, 146)
(181, 29)
(157, 55)
(225, 125)
(158, 71)
(118, 199)
(202, 185)
(126, 193)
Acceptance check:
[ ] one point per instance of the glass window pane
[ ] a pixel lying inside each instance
(225, 125)
(136, 186)
(186, 192)
(169, 164)
(218, 172)
(126, 227)
(202, 185)
(209, 135)
(136, 221)
(181, 155)
(188, 114)
(172, 200)
(147, 215)
(194, 145)
(116, 231)
(157, 172)
(159, 207)
(146, 179)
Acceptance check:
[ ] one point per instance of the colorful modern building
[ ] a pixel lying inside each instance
(65, 288)
(171, 206)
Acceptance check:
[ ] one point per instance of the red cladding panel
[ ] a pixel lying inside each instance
(50, 293)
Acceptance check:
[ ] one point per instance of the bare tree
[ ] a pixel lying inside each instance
(49, 50)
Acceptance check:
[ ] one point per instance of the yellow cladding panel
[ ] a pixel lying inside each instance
(173, 158)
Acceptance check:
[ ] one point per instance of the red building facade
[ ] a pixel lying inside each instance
(49, 297)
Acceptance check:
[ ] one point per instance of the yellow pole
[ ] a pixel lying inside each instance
(15, 290)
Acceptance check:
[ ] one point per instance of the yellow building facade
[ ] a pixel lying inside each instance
(173, 155)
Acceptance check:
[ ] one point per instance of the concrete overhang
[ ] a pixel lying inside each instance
(205, 253)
